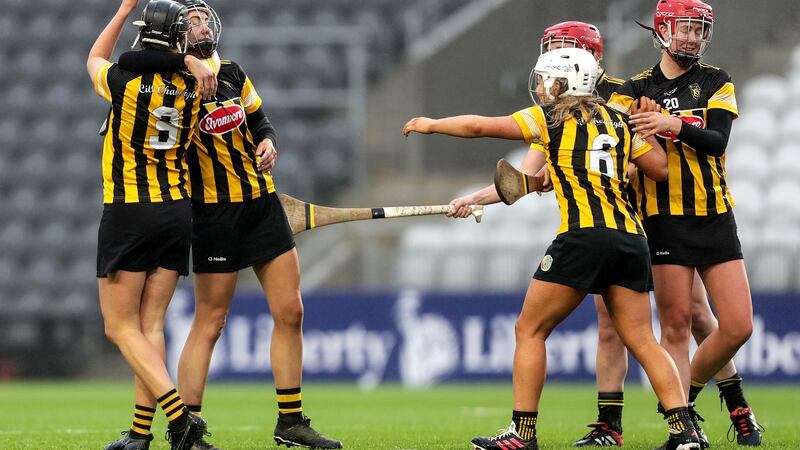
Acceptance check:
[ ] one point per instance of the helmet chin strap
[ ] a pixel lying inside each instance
(682, 60)
(203, 48)
(136, 41)
(185, 44)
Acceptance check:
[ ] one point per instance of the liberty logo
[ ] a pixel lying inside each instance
(430, 348)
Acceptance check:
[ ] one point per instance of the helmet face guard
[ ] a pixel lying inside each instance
(687, 39)
(573, 34)
(204, 29)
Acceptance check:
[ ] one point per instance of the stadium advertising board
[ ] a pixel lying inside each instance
(420, 338)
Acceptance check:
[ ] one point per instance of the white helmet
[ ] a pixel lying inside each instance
(576, 65)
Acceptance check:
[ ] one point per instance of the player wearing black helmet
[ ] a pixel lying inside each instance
(145, 231)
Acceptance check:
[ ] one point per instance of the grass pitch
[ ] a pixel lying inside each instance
(87, 415)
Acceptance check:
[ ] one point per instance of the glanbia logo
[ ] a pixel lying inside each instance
(222, 120)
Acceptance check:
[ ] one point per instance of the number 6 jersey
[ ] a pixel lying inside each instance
(147, 132)
(588, 160)
(696, 184)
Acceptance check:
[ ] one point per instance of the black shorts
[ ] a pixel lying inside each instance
(139, 237)
(596, 258)
(227, 237)
(692, 240)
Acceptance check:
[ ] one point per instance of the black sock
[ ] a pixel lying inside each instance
(678, 419)
(290, 405)
(609, 409)
(197, 410)
(694, 390)
(525, 422)
(730, 390)
(142, 421)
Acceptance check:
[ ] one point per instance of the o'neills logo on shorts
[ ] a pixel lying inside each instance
(223, 119)
(547, 263)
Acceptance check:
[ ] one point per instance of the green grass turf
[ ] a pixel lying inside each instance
(86, 415)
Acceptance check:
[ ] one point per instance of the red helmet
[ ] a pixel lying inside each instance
(696, 15)
(579, 34)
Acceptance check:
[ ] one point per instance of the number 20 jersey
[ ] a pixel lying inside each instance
(696, 184)
(148, 131)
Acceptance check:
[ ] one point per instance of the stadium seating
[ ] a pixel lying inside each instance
(50, 184)
(761, 161)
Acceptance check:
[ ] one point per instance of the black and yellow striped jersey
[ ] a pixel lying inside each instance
(696, 185)
(588, 161)
(224, 166)
(607, 85)
(148, 130)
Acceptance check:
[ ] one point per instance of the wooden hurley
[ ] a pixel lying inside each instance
(306, 216)
(512, 185)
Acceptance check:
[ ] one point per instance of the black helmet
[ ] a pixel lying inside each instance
(163, 25)
(205, 47)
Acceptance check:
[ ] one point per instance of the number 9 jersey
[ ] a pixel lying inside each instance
(148, 129)
(696, 185)
(588, 161)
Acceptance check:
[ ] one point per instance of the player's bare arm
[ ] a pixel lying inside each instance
(461, 207)
(654, 162)
(467, 126)
(101, 51)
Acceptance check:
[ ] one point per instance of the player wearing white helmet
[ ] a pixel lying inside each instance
(600, 245)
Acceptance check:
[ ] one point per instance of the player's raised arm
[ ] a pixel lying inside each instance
(469, 126)
(101, 51)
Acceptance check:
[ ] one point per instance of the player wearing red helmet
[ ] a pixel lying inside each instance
(683, 29)
(689, 218)
(582, 35)
(573, 34)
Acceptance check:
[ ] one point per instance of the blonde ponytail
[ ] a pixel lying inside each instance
(570, 106)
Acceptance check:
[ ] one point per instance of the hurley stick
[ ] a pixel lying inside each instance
(305, 216)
